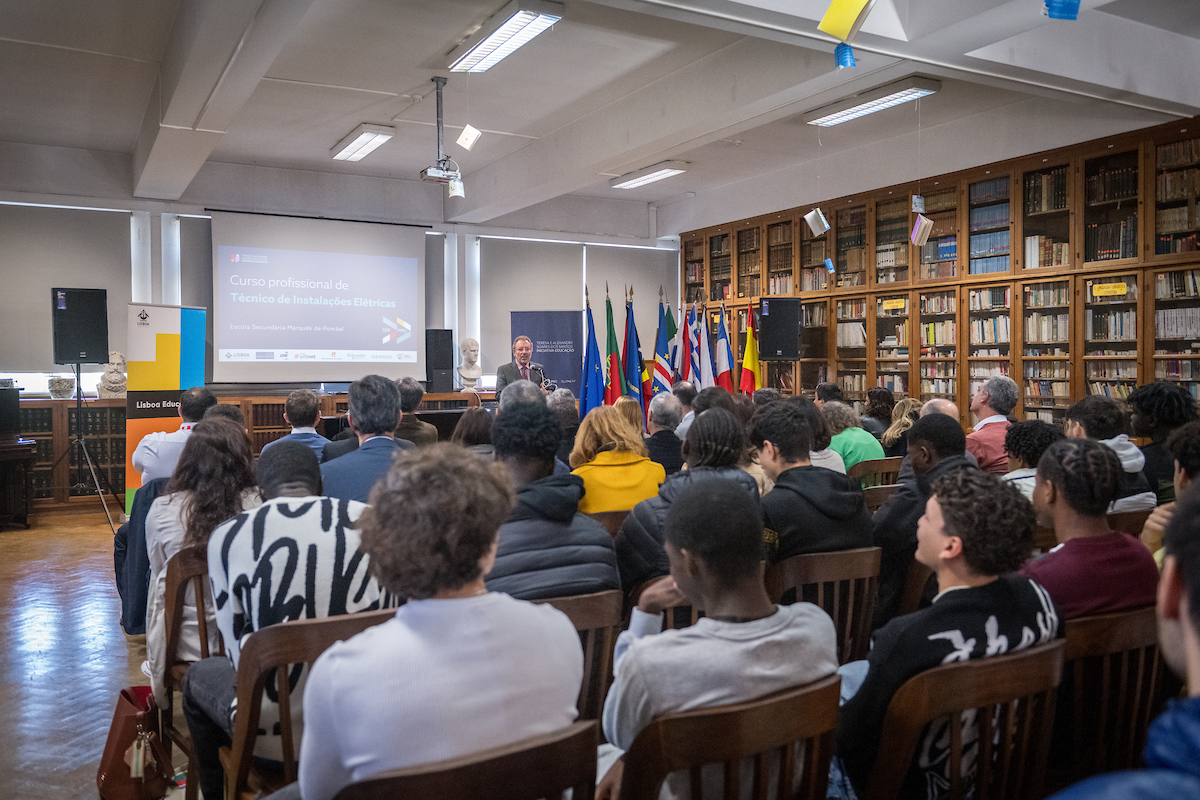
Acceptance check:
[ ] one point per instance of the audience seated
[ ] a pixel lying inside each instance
(131, 563)
(936, 445)
(822, 454)
(521, 391)
(158, 452)
(878, 414)
(298, 556)
(410, 428)
(1158, 409)
(227, 411)
(895, 438)
(1183, 445)
(766, 396)
(849, 440)
(1172, 752)
(459, 669)
(566, 410)
(992, 402)
(547, 548)
(373, 411)
(713, 449)
(213, 481)
(744, 647)
(810, 510)
(827, 392)
(1100, 418)
(302, 410)
(474, 431)
(1094, 569)
(938, 405)
(631, 410)
(1024, 444)
(743, 411)
(610, 456)
(975, 529)
(662, 444)
(685, 392)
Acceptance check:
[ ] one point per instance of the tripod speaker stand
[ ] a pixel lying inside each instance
(79, 450)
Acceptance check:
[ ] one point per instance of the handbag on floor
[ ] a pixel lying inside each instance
(135, 764)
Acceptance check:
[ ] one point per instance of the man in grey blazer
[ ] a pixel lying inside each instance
(373, 414)
(521, 368)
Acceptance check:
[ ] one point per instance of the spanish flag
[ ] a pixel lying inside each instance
(751, 375)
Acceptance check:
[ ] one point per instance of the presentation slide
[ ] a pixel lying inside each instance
(313, 300)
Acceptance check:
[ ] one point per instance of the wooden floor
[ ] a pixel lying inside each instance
(63, 656)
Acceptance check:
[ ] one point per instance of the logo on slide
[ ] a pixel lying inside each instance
(234, 257)
(396, 331)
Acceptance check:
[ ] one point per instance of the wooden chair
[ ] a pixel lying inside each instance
(597, 617)
(876, 496)
(765, 730)
(271, 652)
(915, 581)
(538, 767)
(846, 584)
(1130, 522)
(1013, 700)
(876, 471)
(1114, 687)
(612, 520)
(1044, 538)
(186, 569)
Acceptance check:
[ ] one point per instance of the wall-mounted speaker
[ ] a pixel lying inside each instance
(80, 319)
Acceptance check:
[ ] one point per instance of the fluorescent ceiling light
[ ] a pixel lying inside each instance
(516, 24)
(656, 172)
(872, 100)
(361, 141)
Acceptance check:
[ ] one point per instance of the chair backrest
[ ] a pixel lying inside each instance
(915, 581)
(1012, 700)
(1044, 538)
(876, 471)
(1130, 522)
(766, 730)
(876, 496)
(542, 766)
(273, 650)
(611, 520)
(597, 617)
(1115, 687)
(188, 567)
(845, 584)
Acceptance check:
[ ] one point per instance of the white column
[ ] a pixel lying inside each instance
(450, 290)
(140, 268)
(172, 288)
(472, 325)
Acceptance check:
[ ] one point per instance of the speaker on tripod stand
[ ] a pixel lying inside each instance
(80, 321)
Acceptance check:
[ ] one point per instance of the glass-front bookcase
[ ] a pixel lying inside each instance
(1176, 197)
(938, 360)
(814, 343)
(939, 254)
(891, 240)
(1110, 334)
(1110, 207)
(989, 334)
(1046, 217)
(990, 220)
(1177, 328)
(851, 230)
(852, 348)
(892, 341)
(1046, 349)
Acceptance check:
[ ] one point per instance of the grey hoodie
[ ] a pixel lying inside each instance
(1136, 492)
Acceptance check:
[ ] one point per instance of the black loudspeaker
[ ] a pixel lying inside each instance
(80, 318)
(441, 381)
(779, 329)
(439, 349)
(10, 413)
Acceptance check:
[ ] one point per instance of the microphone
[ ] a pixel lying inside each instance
(537, 366)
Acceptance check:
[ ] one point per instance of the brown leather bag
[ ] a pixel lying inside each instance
(135, 764)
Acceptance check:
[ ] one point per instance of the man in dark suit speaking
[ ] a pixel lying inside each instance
(521, 368)
(373, 414)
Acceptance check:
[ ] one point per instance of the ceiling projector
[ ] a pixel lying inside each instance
(439, 175)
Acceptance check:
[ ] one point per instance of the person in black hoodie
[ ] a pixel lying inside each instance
(546, 547)
(811, 509)
(937, 447)
(714, 445)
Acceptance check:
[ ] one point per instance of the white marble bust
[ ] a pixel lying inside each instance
(112, 382)
(469, 371)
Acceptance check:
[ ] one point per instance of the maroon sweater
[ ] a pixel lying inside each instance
(1097, 575)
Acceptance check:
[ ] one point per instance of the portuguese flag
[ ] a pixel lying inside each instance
(616, 378)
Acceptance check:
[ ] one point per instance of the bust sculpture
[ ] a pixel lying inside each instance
(469, 371)
(112, 382)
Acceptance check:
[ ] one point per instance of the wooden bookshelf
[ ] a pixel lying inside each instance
(1046, 335)
(893, 338)
(1174, 330)
(51, 424)
(814, 346)
(1110, 319)
(937, 337)
(989, 333)
(1177, 198)
(851, 346)
(850, 264)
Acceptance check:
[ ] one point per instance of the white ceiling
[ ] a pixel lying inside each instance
(615, 86)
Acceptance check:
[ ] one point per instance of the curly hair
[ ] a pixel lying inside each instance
(604, 428)
(1165, 405)
(715, 439)
(786, 426)
(991, 516)
(1086, 472)
(713, 397)
(1184, 445)
(766, 395)
(631, 409)
(433, 518)
(1027, 441)
(527, 431)
(904, 414)
(840, 417)
(821, 435)
(215, 469)
(474, 427)
(880, 403)
(1100, 416)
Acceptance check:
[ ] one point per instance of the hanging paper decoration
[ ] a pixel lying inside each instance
(816, 221)
(1061, 9)
(843, 19)
(844, 56)
(829, 264)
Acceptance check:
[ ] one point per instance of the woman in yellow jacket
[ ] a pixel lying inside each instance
(611, 458)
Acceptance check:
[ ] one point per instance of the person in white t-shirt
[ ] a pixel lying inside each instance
(158, 452)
